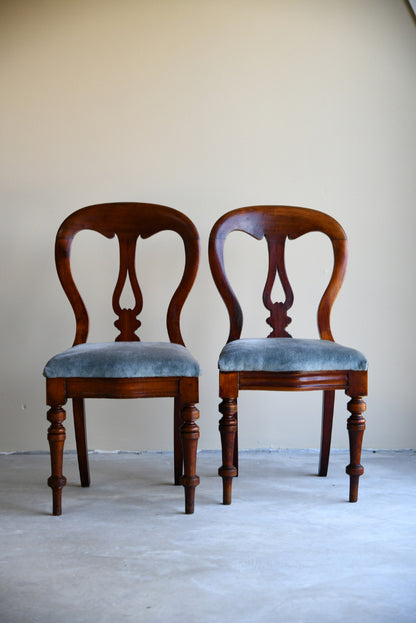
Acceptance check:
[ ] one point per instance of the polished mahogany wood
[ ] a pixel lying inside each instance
(278, 224)
(128, 222)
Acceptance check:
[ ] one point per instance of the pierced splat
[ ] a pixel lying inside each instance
(278, 318)
(127, 322)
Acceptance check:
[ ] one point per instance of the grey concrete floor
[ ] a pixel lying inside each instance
(290, 548)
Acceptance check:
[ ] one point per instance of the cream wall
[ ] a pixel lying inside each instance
(207, 106)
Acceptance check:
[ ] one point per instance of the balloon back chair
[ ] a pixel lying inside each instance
(280, 362)
(126, 368)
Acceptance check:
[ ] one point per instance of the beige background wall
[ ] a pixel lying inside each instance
(207, 106)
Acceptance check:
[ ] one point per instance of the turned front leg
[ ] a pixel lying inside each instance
(228, 429)
(56, 437)
(356, 427)
(189, 436)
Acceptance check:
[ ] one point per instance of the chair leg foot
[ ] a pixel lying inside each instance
(56, 437)
(353, 497)
(190, 499)
(356, 427)
(228, 430)
(57, 487)
(227, 483)
(189, 437)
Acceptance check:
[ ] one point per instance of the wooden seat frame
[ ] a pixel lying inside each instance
(127, 221)
(277, 224)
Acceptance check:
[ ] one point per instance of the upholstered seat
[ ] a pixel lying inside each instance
(277, 354)
(123, 360)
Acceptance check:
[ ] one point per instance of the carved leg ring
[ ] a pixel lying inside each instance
(56, 437)
(228, 429)
(189, 437)
(356, 427)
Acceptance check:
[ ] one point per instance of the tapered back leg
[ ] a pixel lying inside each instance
(327, 418)
(177, 442)
(81, 440)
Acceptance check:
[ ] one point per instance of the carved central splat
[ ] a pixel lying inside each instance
(127, 322)
(278, 318)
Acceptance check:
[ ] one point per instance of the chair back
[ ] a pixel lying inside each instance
(127, 221)
(277, 224)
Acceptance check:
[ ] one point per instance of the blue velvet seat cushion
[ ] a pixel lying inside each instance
(123, 360)
(276, 354)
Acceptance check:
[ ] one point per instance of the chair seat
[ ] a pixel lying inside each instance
(288, 355)
(123, 360)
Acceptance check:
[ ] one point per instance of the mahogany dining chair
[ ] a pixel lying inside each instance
(279, 362)
(127, 367)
